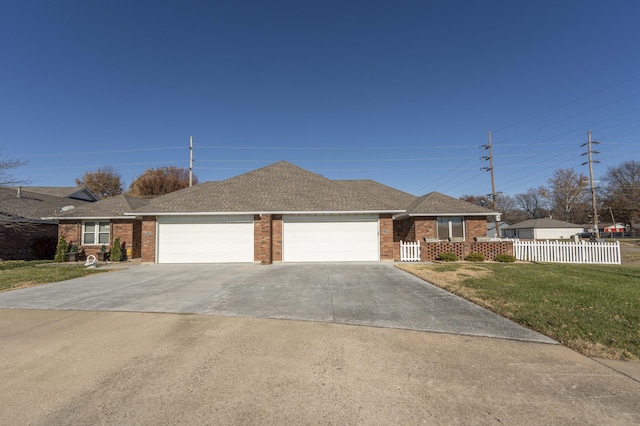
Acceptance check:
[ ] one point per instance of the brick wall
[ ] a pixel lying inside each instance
(148, 240)
(32, 241)
(490, 249)
(276, 238)
(426, 227)
(128, 230)
(476, 227)
(262, 231)
(386, 238)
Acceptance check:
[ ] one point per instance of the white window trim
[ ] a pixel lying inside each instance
(96, 233)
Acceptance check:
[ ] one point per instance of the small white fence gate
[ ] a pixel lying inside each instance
(567, 252)
(409, 252)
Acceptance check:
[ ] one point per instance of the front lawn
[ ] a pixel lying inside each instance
(591, 308)
(18, 274)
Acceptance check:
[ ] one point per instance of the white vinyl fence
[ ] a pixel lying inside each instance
(567, 252)
(409, 252)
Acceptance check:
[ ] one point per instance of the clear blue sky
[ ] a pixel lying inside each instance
(400, 92)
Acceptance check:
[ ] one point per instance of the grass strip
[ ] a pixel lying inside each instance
(20, 274)
(594, 309)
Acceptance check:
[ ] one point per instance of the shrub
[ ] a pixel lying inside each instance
(116, 251)
(505, 258)
(475, 257)
(447, 257)
(61, 251)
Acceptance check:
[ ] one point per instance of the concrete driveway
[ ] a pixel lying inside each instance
(373, 294)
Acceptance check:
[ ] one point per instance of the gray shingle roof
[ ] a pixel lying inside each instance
(280, 187)
(543, 223)
(78, 192)
(393, 196)
(110, 207)
(32, 205)
(435, 203)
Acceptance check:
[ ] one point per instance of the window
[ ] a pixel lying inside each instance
(95, 233)
(450, 228)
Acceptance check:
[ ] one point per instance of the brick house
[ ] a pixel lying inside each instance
(283, 213)
(98, 224)
(24, 234)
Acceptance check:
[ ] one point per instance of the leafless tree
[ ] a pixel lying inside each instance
(622, 191)
(532, 203)
(567, 194)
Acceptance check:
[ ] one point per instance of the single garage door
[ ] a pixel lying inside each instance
(330, 238)
(205, 239)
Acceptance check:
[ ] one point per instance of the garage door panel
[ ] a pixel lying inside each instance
(205, 239)
(330, 238)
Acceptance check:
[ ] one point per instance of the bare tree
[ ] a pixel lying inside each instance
(567, 194)
(508, 209)
(6, 168)
(160, 181)
(104, 182)
(623, 191)
(532, 202)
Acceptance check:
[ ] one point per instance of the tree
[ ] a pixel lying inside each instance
(6, 166)
(104, 182)
(160, 181)
(508, 209)
(623, 191)
(567, 195)
(532, 202)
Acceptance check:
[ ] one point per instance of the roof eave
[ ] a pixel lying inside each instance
(91, 217)
(209, 213)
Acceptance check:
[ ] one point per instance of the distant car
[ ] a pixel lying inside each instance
(586, 235)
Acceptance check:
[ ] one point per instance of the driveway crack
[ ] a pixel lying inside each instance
(333, 309)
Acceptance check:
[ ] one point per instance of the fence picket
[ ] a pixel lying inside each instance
(409, 252)
(567, 252)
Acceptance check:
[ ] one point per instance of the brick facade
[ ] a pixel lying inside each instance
(148, 239)
(413, 229)
(262, 239)
(387, 247)
(128, 230)
(28, 242)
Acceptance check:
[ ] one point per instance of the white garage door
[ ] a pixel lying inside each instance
(330, 238)
(205, 239)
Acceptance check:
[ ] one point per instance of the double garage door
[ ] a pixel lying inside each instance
(305, 238)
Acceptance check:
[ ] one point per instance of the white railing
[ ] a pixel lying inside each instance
(567, 252)
(409, 252)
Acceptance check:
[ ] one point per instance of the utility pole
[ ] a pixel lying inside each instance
(190, 161)
(489, 157)
(590, 153)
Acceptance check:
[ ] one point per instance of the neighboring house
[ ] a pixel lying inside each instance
(491, 229)
(285, 213)
(542, 229)
(98, 224)
(24, 234)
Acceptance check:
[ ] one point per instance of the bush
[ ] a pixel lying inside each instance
(116, 251)
(505, 258)
(475, 257)
(61, 251)
(447, 257)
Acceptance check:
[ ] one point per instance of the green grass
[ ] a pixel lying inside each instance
(591, 308)
(18, 274)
